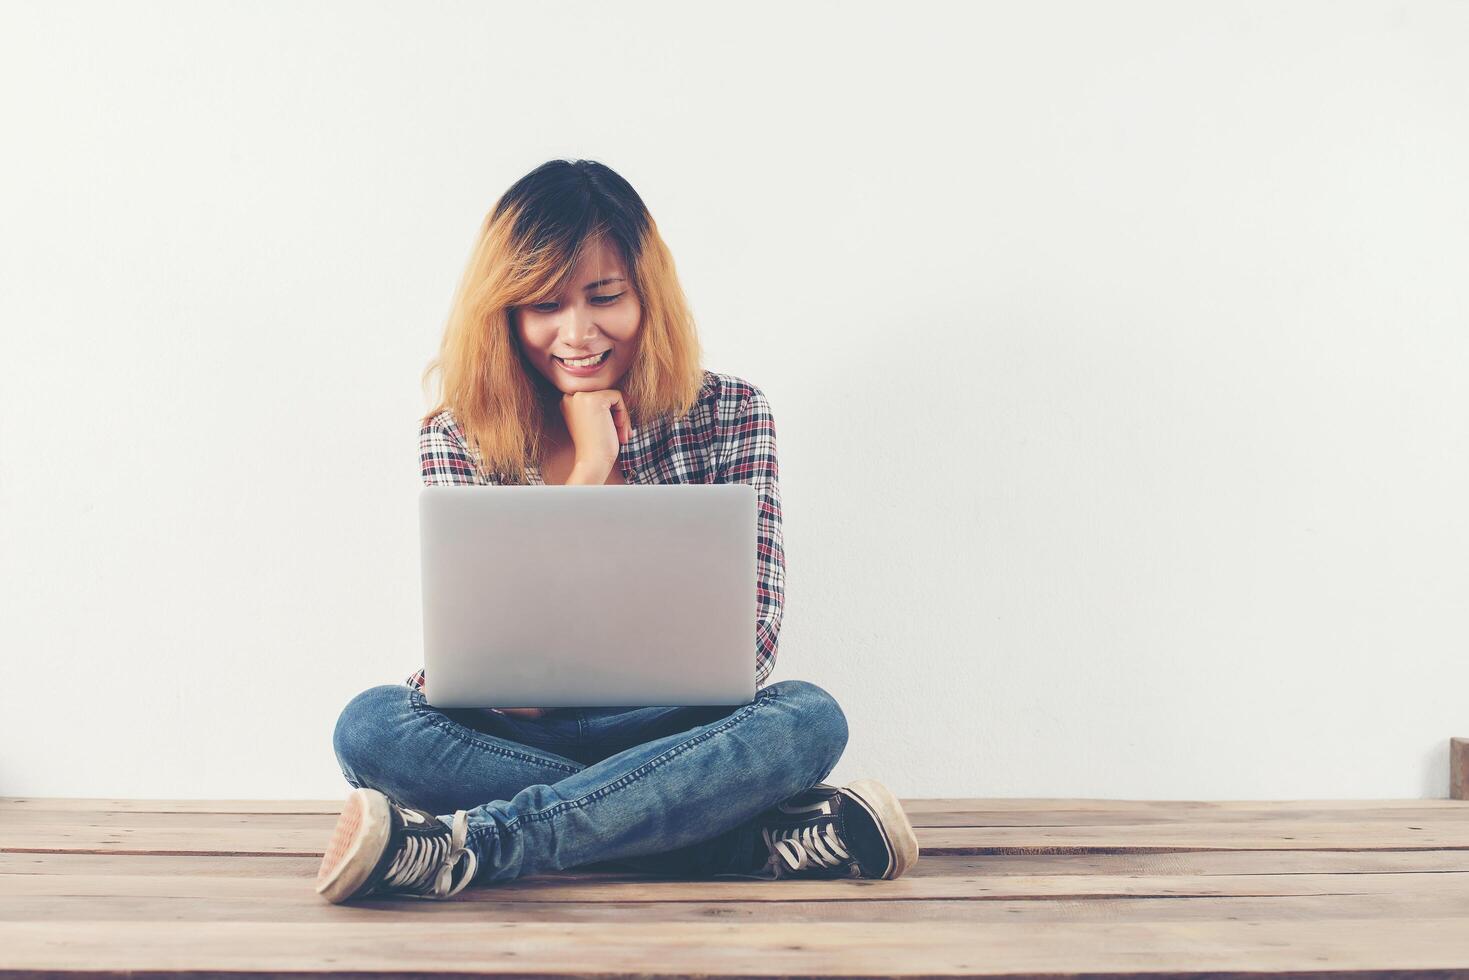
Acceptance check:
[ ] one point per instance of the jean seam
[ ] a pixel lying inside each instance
(764, 695)
(468, 735)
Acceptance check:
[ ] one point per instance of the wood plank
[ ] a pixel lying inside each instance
(990, 805)
(1456, 815)
(16, 804)
(1180, 863)
(152, 912)
(425, 942)
(246, 839)
(911, 805)
(1446, 887)
(1459, 768)
(1360, 835)
(1045, 888)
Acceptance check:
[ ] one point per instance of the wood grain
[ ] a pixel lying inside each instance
(1014, 888)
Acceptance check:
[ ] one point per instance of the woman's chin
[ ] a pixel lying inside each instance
(569, 385)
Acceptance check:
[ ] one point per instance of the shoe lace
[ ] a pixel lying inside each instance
(425, 865)
(815, 846)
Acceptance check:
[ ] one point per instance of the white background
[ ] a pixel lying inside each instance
(1117, 354)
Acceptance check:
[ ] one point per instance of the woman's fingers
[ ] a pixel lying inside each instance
(619, 417)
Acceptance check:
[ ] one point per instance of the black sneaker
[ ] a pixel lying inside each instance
(854, 831)
(381, 846)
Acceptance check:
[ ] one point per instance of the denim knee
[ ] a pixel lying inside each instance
(823, 723)
(361, 727)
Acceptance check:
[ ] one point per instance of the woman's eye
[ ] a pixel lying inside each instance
(598, 300)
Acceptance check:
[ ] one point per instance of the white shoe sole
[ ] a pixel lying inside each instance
(356, 845)
(885, 809)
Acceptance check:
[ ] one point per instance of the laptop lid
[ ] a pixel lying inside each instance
(574, 596)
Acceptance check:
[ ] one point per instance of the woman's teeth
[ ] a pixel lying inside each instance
(587, 361)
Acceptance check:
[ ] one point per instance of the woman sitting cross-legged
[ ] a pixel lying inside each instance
(570, 357)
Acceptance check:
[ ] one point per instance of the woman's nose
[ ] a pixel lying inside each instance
(577, 329)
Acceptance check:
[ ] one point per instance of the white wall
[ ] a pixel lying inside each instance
(1117, 353)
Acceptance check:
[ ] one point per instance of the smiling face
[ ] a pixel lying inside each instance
(599, 314)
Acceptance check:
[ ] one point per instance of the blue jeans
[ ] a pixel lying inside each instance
(666, 790)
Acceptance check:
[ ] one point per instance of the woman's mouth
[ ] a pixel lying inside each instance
(584, 365)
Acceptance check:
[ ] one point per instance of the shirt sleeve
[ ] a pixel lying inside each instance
(443, 461)
(443, 457)
(749, 457)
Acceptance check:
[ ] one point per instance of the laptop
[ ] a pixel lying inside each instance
(575, 596)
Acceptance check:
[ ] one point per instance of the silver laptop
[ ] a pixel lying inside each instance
(574, 596)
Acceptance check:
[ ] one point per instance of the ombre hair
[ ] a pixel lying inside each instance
(527, 250)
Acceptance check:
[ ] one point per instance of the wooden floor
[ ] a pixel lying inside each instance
(1002, 888)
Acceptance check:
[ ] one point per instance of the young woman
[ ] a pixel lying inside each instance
(570, 357)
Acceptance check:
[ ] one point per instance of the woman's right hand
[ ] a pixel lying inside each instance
(598, 424)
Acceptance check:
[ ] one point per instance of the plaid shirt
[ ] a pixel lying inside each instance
(727, 437)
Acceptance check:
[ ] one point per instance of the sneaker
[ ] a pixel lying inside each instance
(381, 846)
(854, 831)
